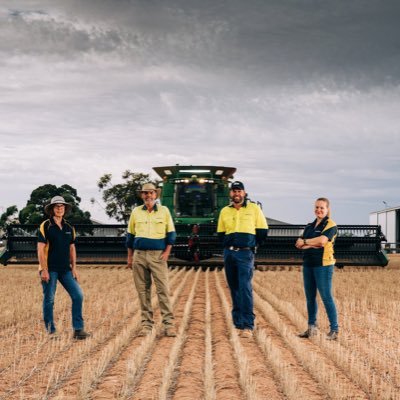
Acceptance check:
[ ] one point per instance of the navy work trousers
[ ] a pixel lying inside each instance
(239, 273)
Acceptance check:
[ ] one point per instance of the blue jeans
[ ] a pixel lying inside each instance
(320, 278)
(75, 292)
(239, 273)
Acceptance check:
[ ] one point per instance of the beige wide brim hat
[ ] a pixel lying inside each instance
(57, 200)
(149, 186)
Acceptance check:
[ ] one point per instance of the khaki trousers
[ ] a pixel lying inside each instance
(147, 264)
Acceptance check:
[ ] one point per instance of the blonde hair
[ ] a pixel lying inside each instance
(325, 200)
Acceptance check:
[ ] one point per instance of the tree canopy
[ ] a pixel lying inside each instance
(121, 198)
(33, 212)
(8, 217)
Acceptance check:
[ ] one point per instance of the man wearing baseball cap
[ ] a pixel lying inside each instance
(57, 262)
(151, 234)
(242, 226)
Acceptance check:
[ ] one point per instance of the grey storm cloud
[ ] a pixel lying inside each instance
(302, 97)
(265, 40)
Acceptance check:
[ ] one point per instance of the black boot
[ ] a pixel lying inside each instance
(80, 334)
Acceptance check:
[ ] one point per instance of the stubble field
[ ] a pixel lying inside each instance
(207, 360)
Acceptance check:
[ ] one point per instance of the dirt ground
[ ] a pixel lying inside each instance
(207, 359)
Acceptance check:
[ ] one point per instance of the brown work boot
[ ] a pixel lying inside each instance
(332, 335)
(246, 333)
(80, 334)
(311, 331)
(169, 331)
(145, 331)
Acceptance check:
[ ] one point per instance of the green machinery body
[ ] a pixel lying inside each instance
(195, 194)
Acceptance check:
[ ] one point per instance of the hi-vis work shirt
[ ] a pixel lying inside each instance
(150, 231)
(243, 227)
(322, 256)
(58, 241)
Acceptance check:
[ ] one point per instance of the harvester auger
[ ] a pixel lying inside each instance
(195, 195)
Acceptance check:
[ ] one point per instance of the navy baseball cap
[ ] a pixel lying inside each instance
(237, 185)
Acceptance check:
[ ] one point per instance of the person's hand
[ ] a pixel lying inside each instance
(75, 273)
(129, 265)
(299, 243)
(165, 255)
(44, 275)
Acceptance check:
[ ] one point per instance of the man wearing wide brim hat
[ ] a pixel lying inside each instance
(57, 262)
(150, 236)
(150, 187)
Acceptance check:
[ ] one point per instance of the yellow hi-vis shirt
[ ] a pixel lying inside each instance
(243, 227)
(150, 231)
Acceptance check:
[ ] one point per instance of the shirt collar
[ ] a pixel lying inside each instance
(244, 204)
(154, 208)
(322, 221)
(54, 222)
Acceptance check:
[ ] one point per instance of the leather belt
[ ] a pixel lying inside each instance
(238, 248)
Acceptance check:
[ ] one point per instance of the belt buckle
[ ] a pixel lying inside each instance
(233, 248)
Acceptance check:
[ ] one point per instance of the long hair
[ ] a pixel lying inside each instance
(326, 201)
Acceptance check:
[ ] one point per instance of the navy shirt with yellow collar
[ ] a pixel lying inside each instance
(322, 256)
(242, 227)
(58, 241)
(150, 230)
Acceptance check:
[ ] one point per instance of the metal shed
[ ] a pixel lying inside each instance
(389, 220)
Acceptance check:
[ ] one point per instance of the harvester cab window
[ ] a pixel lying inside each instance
(194, 199)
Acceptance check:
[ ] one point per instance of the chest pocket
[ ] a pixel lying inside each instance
(141, 226)
(159, 226)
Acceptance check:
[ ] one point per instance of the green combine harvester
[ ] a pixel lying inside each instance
(195, 196)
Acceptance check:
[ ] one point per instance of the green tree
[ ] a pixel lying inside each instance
(121, 198)
(8, 217)
(33, 212)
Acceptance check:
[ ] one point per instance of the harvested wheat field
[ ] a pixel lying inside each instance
(207, 359)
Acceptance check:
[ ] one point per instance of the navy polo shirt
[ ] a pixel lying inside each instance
(322, 256)
(58, 241)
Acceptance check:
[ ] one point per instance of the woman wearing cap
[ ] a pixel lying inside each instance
(57, 262)
(317, 242)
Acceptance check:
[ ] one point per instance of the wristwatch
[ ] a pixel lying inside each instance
(304, 241)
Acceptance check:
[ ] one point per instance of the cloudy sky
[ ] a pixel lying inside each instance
(302, 97)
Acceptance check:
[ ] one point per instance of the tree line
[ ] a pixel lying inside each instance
(119, 200)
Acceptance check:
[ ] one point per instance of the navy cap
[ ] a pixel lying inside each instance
(237, 185)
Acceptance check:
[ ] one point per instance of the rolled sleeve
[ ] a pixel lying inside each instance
(129, 241)
(261, 235)
(171, 237)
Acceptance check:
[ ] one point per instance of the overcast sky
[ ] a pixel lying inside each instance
(302, 97)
